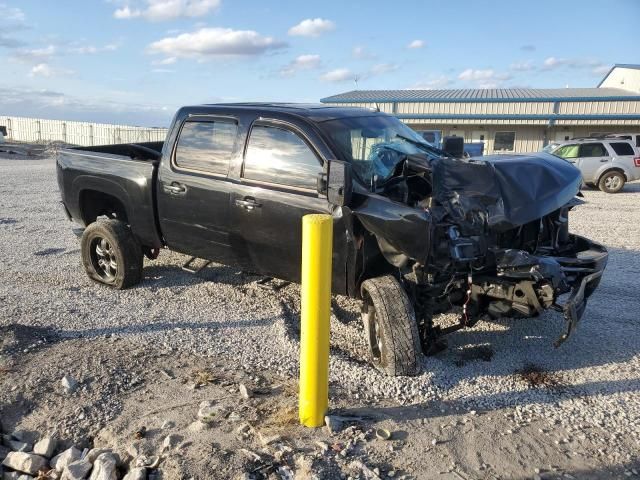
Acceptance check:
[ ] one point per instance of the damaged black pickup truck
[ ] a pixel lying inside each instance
(417, 232)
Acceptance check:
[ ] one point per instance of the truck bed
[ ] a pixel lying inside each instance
(123, 175)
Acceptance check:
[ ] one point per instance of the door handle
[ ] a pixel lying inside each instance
(248, 204)
(603, 160)
(175, 189)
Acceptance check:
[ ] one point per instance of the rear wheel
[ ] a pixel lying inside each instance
(111, 254)
(611, 182)
(390, 326)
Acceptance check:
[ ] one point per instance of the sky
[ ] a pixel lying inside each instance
(136, 61)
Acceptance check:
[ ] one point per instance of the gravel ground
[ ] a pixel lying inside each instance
(577, 406)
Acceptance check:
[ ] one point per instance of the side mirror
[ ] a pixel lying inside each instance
(453, 146)
(339, 183)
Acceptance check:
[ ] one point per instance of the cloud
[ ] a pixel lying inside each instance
(601, 69)
(526, 66)
(552, 63)
(9, 42)
(383, 68)
(338, 75)
(312, 27)
(528, 48)
(35, 55)
(12, 19)
(302, 62)
(45, 70)
(487, 78)
(92, 49)
(11, 14)
(211, 43)
(433, 83)
(41, 70)
(39, 103)
(416, 44)
(165, 61)
(361, 53)
(162, 10)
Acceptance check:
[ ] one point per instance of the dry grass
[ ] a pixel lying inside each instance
(203, 377)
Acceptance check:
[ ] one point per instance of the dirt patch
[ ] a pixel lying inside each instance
(536, 377)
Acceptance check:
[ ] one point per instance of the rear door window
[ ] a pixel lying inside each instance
(567, 151)
(206, 146)
(622, 148)
(593, 150)
(280, 156)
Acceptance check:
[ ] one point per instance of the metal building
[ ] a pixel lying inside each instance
(512, 119)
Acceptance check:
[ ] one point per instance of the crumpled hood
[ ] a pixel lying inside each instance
(504, 190)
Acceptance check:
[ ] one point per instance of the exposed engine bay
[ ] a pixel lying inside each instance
(488, 237)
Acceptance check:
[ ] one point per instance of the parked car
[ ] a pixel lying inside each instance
(604, 163)
(634, 138)
(416, 231)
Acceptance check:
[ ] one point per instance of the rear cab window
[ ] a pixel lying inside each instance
(206, 146)
(622, 148)
(277, 155)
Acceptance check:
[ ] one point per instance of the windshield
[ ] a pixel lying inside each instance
(375, 144)
(550, 148)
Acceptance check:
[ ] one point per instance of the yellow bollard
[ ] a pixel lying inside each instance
(315, 297)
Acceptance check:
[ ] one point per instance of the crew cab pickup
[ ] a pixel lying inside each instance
(417, 232)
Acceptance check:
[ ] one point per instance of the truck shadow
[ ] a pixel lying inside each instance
(159, 276)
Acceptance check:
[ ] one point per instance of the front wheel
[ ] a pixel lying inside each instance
(390, 326)
(611, 182)
(111, 255)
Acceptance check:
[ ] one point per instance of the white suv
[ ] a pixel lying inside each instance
(605, 163)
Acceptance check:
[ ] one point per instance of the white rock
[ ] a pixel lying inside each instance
(104, 468)
(95, 453)
(245, 392)
(45, 447)
(167, 424)
(137, 473)
(70, 455)
(171, 441)
(69, 383)
(77, 470)
(25, 462)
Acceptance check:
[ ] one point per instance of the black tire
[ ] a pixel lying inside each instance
(111, 255)
(390, 326)
(611, 182)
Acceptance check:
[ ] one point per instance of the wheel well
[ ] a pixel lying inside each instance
(95, 204)
(614, 169)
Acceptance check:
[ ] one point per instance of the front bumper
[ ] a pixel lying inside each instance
(528, 284)
(585, 271)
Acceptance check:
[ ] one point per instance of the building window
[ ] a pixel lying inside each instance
(434, 137)
(504, 141)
